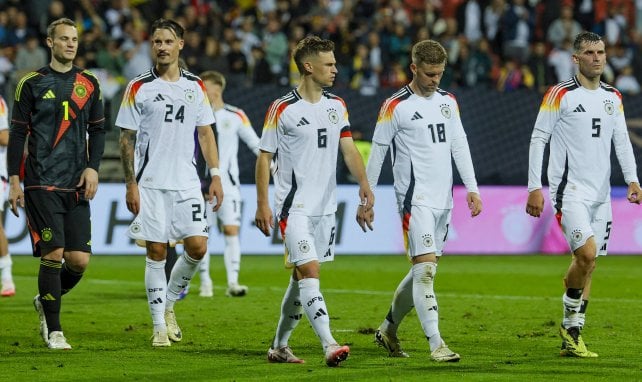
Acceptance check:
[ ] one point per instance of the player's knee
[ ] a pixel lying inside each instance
(77, 261)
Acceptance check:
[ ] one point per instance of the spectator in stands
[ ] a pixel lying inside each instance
(517, 26)
(539, 66)
(275, 46)
(514, 75)
(20, 28)
(237, 65)
(626, 82)
(475, 66)
(561, 60)
(563, 28)
(137, 52)
(469, 20)
(30, 56)
(260, 70)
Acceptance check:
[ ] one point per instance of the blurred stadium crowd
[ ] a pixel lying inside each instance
(493, 45)
(501, 44)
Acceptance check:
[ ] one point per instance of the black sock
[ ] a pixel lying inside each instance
(68, 279)
(49, 289)
(574, 293)
(583, 307)
(170, 260)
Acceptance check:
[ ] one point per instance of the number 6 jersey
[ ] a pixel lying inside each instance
(165, 115)
(305, 139)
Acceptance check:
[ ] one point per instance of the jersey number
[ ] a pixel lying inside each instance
(322, 138)
(169, 111)
(441, 132)
(196, 212)
(65, 106)
(596, 128)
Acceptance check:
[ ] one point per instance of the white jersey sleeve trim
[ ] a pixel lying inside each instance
(464, 163)
(539, 139)
(375, 162)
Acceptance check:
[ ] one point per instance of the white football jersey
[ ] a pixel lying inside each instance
(581, 124)
(424, 134)
(165, 116)
(4, 125)
(232, 124)
(305, 139)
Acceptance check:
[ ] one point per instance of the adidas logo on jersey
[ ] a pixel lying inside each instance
(416, 116)
(579, 109)
(302, 122)
(159, 98)
(49, 95)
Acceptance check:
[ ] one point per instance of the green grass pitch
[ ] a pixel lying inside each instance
(501, 313)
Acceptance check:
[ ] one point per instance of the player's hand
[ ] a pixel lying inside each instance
(215, 191)
(365, 218)
(474, 203)
(16, 197)
(263, 219)
(634, 193)
(366, 197)
(88, 181)
(535, 203)
(132, 197)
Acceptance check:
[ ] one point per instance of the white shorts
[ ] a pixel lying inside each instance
(425, 230)
(581, 219)
(308, 238)
(229, 213)
(169, 216)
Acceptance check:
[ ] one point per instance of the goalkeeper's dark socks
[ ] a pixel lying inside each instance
(50, 292)
(68, 279)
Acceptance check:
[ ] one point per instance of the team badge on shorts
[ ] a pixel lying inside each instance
(576, 235)
(46, 234)
(304, 247)
(135, 228)
(427, 240)
(445, 111)
(608, 106)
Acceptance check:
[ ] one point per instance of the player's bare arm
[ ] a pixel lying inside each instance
(263, 218)
(207, 141)
(126, 141)
(535, 203)
(16, 195)
(474, 203)
(634, 193)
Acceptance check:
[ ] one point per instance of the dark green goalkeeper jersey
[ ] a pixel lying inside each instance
(61, 116)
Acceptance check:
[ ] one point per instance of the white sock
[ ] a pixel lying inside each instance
(5, 266)
(182, 274)
(316, 310)
(291, 314)
(423, 295)
(571, 311)
(155, 285)
(402, 303)
(204, 270)
(232, 258)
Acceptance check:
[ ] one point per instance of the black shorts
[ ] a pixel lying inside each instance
(58, 220)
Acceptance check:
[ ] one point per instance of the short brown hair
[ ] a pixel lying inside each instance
(429, 52)
(168, 24)
(214, 77)
(309, 46)
(51, 29)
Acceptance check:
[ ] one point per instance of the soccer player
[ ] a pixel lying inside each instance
(581, 117)
(160, 112)
(422, 123)
(60, 108)
(8, 286)
(306, 127)
(231, 124)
